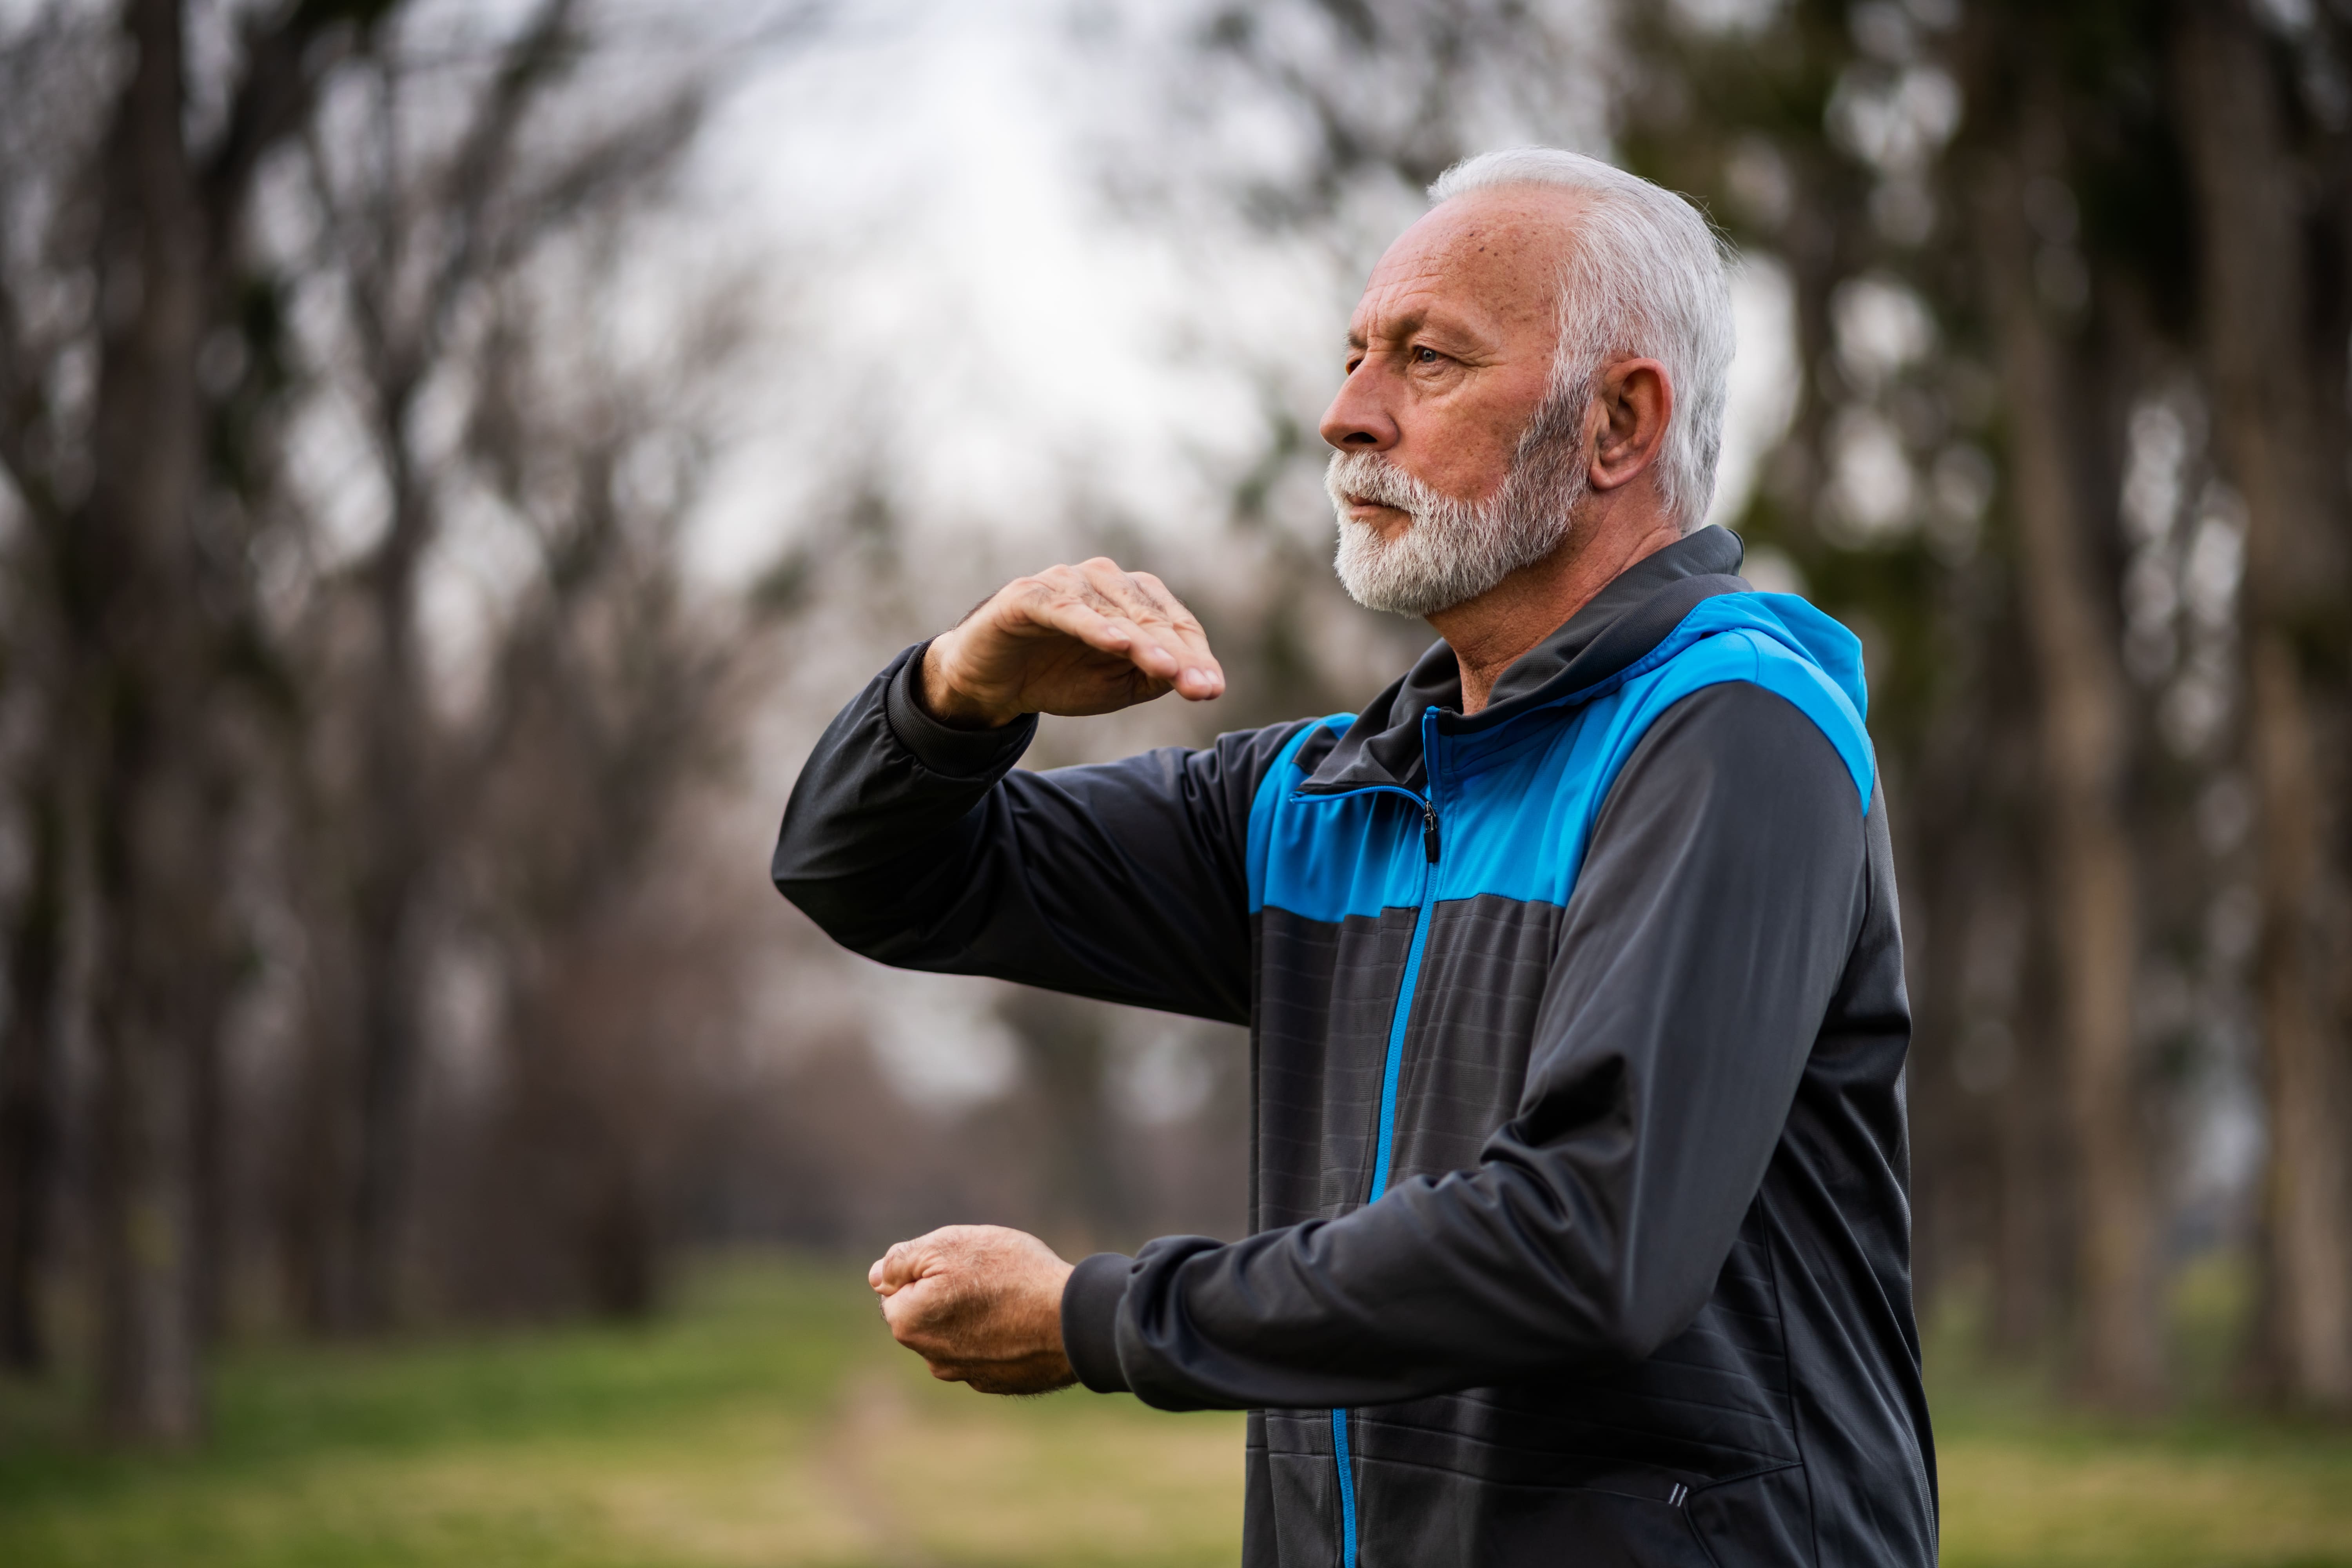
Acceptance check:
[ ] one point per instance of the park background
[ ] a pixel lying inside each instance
(454, 458)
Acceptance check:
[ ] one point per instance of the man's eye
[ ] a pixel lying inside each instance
(1424, 356)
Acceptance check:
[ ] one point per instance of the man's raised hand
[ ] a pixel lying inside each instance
(1089, 638)
(982, 1303)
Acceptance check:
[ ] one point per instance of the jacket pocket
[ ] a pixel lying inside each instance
(1757, 1522)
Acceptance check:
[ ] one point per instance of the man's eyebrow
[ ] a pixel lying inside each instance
(1404, 326)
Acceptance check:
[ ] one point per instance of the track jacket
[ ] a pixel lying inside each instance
(1579, 1222)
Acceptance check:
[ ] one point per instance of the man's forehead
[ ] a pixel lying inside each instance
(1490, 254)
(1398, 301)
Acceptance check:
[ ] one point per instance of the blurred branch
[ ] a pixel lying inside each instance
(40, 150)
(452, 208)
(285, 58)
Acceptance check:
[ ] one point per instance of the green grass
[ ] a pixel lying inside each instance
(2028, 1482)
(770, 1422)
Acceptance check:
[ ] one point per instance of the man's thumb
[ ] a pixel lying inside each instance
(898, 1268)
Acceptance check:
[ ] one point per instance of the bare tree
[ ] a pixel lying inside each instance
(46, 67)
(2087, 852)
(1066, 1056)
(126, 555)
(29, 1064)
(2258, 335)
(612, 695)
(454, 177)
(407, 235)
(140, 503)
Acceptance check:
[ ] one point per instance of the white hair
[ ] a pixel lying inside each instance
(1647, 275)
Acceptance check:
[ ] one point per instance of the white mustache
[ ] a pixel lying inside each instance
(1354, 478)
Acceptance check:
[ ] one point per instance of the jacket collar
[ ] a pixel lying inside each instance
(1630, 615)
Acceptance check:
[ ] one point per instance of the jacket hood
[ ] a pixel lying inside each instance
(1633, 613)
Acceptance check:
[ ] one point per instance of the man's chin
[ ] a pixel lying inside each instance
(1374, 579)
(1383, 522)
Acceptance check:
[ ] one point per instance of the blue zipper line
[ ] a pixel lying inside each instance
(1395, 1068)
(1391, 1070)
(1347, 1489)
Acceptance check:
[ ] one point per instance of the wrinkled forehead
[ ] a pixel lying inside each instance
(1488, 263)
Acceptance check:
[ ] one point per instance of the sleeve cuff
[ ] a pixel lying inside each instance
(1091, 1304)
(958, 754)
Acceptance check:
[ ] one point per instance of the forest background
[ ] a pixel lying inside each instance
(453, 459)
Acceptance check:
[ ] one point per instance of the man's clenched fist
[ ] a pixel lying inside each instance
(982, 1304)
(1089, 638)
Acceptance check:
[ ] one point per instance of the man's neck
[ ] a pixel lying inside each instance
(1492, 632)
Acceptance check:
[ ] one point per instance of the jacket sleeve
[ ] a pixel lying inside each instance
(921, 846)
(1723, 891)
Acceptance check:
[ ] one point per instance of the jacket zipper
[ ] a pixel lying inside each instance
(1392, 1071)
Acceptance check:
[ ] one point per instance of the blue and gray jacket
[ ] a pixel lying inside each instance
(1580, 1227)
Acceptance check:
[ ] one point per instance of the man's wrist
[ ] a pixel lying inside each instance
(1090, 1305)
(943, 749)
(948, 704)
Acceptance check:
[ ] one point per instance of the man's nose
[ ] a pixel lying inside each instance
(1359, 419)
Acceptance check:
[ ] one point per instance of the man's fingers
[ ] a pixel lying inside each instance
(1013, 656)
(980, 1305)
(895, 1266)
(1029, 1374)
(1177, 630)
(1113, 635)
(928, 1317)
(1131, 616)
(906, 1262)
(1141, 600)
(907, 1310)
(889, 1270)
(1170, 607)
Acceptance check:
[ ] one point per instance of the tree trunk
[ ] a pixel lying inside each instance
(28, 1079)
(1064, 1053)
(2088, 858)
(312, 1233)
(210, 1137)
(397, 856)
(399, 829)
(2029, 1277)
(2256, 343)
(132, 625)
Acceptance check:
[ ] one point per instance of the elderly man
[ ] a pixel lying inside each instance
(1571, 964)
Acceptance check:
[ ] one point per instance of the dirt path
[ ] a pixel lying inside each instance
(854, 1449)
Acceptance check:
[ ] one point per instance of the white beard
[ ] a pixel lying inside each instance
(1455, 550)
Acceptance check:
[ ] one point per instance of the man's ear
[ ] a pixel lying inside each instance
(1634, 402)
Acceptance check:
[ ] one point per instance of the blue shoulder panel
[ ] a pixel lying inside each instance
(1516, 803)
(1271, 790)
